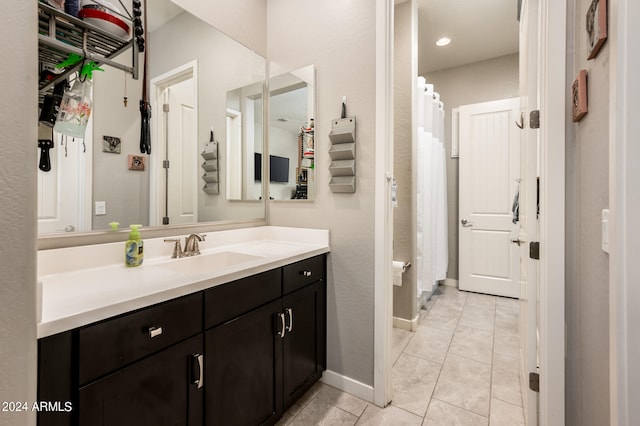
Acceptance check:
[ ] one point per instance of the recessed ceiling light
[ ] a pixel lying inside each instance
(443, 41)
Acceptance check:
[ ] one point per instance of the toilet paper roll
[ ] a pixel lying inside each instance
(398, 270)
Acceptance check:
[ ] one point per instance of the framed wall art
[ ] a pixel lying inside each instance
(596, 27)
(579, 105)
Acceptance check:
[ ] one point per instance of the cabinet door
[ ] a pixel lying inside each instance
(158, 390)
(304, 353)
(241, 369)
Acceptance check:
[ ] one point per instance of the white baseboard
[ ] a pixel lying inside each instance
(450, 282)
(348, 385)
(404, 324)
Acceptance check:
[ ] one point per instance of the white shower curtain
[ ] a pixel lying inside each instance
(432, 254)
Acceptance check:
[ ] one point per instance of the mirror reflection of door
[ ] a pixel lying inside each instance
(174, 163)
(181, 150)
(64, 193)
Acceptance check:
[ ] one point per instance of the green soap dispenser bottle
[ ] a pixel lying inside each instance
(134, 249)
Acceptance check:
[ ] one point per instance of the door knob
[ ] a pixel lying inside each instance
(466, 223)
(517, 241)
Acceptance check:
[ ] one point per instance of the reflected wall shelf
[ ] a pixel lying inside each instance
(210, 167)
(60, 34)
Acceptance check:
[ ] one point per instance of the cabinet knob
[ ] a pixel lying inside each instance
(155, 332)
(307, 273)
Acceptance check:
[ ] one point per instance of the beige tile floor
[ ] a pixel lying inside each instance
(459, 368)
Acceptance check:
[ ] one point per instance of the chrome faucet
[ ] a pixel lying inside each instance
(191, 244)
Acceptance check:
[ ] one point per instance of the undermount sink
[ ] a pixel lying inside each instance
(203, 263)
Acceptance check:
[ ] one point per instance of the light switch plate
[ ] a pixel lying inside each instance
(101, 208)
(605, 230)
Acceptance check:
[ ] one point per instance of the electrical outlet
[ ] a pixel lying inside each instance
(101, 208)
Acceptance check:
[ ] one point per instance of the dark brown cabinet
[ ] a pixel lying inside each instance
(303, 354)
(163, 389)
(240, 353)
(265, 351)
(240, 371)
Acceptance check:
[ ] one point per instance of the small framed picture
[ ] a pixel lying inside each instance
(579, 105)
(136, 162)
(111, 144)
(596, 27)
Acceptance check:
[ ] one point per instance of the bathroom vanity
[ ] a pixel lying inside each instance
(237, 346)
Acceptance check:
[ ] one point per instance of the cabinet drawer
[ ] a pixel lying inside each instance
(116, 342)
(303, 273)
(227, 301)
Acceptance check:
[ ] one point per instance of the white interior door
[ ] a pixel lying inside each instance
(64, 192)
(182, 146)
(529, 223)
(489, 175)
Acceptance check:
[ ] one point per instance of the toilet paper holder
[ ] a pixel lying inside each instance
(405, 265)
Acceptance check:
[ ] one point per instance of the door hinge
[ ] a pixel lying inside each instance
(165, 164)
(165, 107)
(534, 250)
(534, 382)
(534, 119)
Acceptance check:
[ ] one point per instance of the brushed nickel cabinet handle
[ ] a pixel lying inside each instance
(307, 273)
(155, 332)
(290, 326)
(200, 380)
(283, 330)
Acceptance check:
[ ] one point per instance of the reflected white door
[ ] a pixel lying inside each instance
(489, 173)
(64, 192)
(182, 146)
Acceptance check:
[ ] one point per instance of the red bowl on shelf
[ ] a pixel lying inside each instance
(106, 21)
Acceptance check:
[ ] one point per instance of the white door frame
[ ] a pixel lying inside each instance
(553, 89)
(383, 210)
(624, 204)
(156, 184)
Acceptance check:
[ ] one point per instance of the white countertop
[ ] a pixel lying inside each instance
(82, 285)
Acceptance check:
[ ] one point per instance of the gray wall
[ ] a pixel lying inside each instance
(484, 81)
(339, 39)
(405, 75)
(18, 118)
(587, 266)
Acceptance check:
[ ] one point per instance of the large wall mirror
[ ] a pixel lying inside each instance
(192, 69)
(291, 135)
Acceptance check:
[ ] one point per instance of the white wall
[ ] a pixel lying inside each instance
(483, 81)
(339, 39)
(18, 159)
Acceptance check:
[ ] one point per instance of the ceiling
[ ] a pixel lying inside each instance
(478, 29)
(161, 12)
